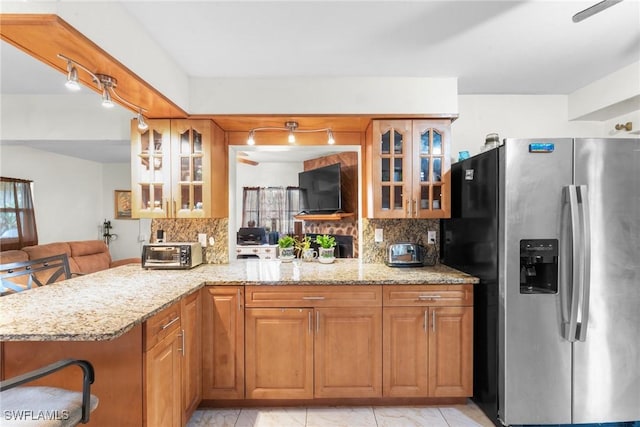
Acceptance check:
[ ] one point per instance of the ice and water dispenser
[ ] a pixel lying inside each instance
(539, 266)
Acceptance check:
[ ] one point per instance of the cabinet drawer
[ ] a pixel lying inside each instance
(428, 295)
(161, 325)
(313, 296)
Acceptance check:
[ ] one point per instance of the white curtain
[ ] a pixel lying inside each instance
(270, 207)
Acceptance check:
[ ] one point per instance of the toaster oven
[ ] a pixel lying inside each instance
(171, 256)
(406, 255)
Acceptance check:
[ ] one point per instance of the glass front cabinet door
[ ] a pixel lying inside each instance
(410, 162)
(193, 182)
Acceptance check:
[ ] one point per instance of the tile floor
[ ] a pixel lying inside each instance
(468, 415)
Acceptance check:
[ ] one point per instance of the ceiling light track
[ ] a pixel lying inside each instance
(292, 128)
(596, 8)
(105, 83)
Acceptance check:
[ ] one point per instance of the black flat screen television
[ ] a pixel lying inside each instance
(320, 190)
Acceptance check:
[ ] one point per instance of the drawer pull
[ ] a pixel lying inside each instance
(425, 325)
(433, 320)
(313, 298)
(170, 323)
(428, 297)
(182, 348)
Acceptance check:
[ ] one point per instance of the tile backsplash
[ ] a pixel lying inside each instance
(187, 230)
(394, 230)
(397, 230)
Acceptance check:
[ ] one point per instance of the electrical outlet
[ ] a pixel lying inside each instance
(202, 238)
(431, 237)
(378, 236)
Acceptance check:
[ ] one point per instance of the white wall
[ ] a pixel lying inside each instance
(68, 192)
(72, 197)
(515, 116)
(117, 176)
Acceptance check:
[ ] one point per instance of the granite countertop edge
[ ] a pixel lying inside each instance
(104, 306)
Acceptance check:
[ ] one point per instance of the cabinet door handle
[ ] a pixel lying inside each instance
(433, 320)
(182, 349)
(239, 299)
(428, 297)
(313, 298)
(408, 207)
(415, 203)
(170, 323)
(425, 324)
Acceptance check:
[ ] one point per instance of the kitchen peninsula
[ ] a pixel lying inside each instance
(118, 318)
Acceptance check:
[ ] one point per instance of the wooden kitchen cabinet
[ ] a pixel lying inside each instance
(279, 353)
(178, 170)
(428, 341)
(408, 168)
(223, 342)
(348, 352)
(191, 322)
(313, 342)
(163, 369)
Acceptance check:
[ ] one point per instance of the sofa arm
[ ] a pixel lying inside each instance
(125, 261)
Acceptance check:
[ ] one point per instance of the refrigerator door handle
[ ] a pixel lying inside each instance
(570, 263)
(585, 262)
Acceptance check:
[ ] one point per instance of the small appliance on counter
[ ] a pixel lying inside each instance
(252, 236)
(406, 255)
(171, 256)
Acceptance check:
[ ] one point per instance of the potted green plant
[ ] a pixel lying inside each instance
(325, 251)
(286, 245)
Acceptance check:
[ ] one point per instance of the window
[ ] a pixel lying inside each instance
(270, 207)
(17, 217)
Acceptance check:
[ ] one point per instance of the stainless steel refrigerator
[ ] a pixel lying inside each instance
(552, 228)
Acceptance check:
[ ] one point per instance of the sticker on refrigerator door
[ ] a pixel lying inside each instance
(468, 174)
(541, 147)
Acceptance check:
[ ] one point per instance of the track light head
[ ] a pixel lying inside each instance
(107, 102)
(142, 125)
(72, 77)
(330, 139)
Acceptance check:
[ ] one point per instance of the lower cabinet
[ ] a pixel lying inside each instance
(191, 320)
(348, 352)
(163, 369)
(279, 353)
(314, 341)
(173, 363)
(428, 341)
(223, 342)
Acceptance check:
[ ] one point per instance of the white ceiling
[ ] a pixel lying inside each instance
(492, 47)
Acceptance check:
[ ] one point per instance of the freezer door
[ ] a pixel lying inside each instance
(607, 364)
(534, 358)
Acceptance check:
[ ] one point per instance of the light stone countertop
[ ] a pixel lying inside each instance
(105, 305)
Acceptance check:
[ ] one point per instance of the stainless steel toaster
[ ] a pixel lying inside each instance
(405, 255)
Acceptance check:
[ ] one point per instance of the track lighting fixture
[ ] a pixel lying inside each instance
(104, 83)
(292, 128)
(72, 78)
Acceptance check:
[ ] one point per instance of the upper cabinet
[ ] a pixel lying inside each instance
(179, 170)
(408, 169)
